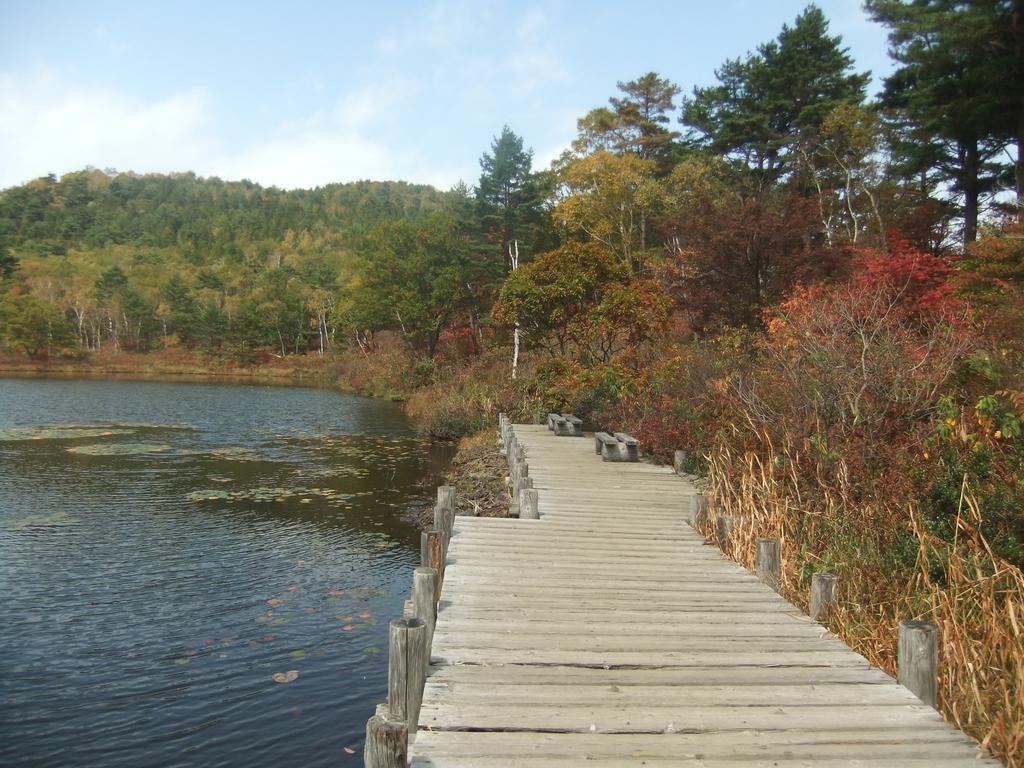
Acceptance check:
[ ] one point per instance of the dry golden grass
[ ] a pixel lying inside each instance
(975, 598)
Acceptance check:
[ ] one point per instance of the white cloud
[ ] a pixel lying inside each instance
(48, 124)
(51, 124)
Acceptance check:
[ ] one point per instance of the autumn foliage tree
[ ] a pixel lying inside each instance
(580, 300)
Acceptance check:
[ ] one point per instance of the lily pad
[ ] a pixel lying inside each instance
(51, 520)
(63, 432)
(119, 449)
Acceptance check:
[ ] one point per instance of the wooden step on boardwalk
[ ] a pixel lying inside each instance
(606, 633)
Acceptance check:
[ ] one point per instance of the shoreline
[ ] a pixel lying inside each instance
(127, 368)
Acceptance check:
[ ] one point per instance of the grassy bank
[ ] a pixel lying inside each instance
(171, 364)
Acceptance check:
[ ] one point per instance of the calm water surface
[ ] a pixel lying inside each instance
(196, 574)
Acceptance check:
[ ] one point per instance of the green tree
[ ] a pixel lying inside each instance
(764, 102)
(957, 92)
(635, 123)
(579, 299)
(182, 309)
(415, 279)
(38, 327)
(509, 195)
(8, 263)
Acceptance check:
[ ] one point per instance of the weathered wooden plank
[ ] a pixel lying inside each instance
(682, 676)
(653, 718)
(698, 760)
(867, 743)
(439, 693)
(448, 654)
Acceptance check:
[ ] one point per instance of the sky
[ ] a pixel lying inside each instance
(302, 94)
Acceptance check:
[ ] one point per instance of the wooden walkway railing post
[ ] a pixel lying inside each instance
(768, 562)
(698, 512)
(823, 596)
(528, 509)
(432, 553)
(723, 531)
(918, 660)
(424, 599)
(387, 742)
(408, 657)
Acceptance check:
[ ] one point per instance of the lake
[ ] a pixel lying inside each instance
(199, 574)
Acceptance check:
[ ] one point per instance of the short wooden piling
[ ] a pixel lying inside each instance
(723, 530)
(678, 460)
(768, 562)
(407, 667)
(528, 504)
(432, 554)
(698, 510)
(918, 660)
(823, 596)
(446, 500)
(424, 598)
(387, 742)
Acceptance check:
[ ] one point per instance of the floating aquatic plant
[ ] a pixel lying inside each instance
(51, 520)
(120, 449)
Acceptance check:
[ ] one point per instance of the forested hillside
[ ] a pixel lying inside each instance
(139, 262)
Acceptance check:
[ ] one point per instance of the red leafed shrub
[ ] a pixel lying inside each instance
(920, 282)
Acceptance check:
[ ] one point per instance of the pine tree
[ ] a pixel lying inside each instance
(635, 123)
(763, 103)
(959, 92)
(509, 194)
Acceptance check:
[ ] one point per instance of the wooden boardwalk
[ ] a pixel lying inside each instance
(607, 633)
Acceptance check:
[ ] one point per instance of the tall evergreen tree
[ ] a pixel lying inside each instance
(959, 92)
(763, 103)
(509, 194)
(635, 123)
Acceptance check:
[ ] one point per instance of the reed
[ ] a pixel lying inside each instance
(889, 568)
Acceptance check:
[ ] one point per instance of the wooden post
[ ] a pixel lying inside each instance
(678, 459)
(698, 510)
(387, 742)
(446, 499)
(918, 660)
(723, 530)
(528, 504)
(432, 555)
(823, 596)
(768, 562)
(407, 668)
(424, 598)
(441, 523)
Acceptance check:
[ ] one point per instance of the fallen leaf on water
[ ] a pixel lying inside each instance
(346, 617)
(309, 610)
(292, 587)
(269, 638)
(349, 750)
(298, 654)
(348, 627)
(286, 677)
(373, 650)
(183, 660)
(364, 614)
(336, 593)
(275, 601)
